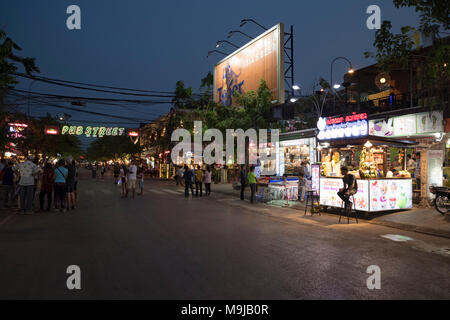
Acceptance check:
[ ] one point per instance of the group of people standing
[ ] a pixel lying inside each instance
(196, 176)
(56, 183)
(129, 177)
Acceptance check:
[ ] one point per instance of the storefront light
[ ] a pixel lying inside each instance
(368, 144)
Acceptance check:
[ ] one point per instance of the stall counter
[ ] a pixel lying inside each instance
(374, 195)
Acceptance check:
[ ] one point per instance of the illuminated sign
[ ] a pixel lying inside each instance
(354, 125)
(133, 132)
(424, 123)
(52, 130)
(241, 71)
(16, 130)
(93, 132)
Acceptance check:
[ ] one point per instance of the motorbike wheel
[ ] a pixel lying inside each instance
(439, 204)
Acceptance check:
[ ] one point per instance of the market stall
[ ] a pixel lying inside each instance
(382, 185)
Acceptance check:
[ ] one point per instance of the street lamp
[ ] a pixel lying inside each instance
(218, 51)
(350, 70)
(244, 21)
(296, 87)
(226, 41)
(230, 34)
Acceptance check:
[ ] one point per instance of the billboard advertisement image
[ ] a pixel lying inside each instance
(241, 71)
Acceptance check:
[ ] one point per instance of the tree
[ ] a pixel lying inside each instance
(431, 66)
(112, 147)
(8, 66)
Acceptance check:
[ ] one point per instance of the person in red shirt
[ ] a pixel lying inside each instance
(48, 179)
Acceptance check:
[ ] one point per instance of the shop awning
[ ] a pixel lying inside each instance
(374, 140)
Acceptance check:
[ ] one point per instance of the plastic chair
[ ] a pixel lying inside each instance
(260, 195)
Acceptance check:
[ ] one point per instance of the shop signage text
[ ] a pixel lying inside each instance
(354, 125)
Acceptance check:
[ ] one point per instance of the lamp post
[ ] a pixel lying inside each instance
(230, 34)
(244, 21)
(351, 70)
(226, 41)
(218, 51)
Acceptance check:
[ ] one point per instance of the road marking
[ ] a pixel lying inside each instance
(397, 237)
(6, 219)
(172, 191)
(155, 191)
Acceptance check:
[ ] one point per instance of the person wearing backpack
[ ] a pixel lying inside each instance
(60, 186)
(350, 187)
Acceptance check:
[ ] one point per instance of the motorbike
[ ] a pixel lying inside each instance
(442, 199)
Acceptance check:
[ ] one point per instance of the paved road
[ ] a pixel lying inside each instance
(164, 246)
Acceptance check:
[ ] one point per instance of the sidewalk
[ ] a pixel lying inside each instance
(427, 221)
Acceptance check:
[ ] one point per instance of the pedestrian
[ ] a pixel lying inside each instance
(123, 179)
(103, 170)
(188, 181)
(76, 181)
(301, 187)
(71, 172)
(131, 181)
(180, 174)
(198, 181)
(8, 183)
(208, 181)
(60, 186)
(27, 171)
(251, 177)
(48, 180)
(116, 173)
(243, 178)
(140, 179)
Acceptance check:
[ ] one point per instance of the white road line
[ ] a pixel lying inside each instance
(172, 191)
(155, 191)
(5, 220)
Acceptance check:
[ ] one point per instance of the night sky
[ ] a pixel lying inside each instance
(151, 44)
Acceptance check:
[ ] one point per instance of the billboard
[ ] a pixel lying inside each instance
(241, 71)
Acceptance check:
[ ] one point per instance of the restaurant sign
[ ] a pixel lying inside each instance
(354, 125)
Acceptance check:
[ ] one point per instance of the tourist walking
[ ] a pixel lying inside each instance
(7, 174)
(252, 182)
(198, 181)
(48, 180)
(60, 186)
(27, 171)
(140, 179)
(188, 181)
(71, 172)
(208, 181)
(131, 181)
(116, 173)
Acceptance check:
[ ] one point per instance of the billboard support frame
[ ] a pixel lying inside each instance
(289, 61)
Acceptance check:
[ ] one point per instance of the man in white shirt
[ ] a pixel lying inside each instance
(27, 171)
(132, 170)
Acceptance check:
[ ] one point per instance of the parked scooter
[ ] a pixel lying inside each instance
(442, 200)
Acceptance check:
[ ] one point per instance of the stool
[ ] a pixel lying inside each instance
(311, 194)
(349, 211)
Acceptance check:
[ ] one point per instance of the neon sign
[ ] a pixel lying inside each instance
(93, 132)
(133, 133)
(17, 130)
(52, 130)
(354, 125)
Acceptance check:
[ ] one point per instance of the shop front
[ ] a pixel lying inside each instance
(345, 141)
(295, 148)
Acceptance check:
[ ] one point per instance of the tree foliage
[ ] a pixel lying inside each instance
(431, 66)
(112, 147)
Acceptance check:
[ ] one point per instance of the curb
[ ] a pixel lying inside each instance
(396, 225)
(408, 227)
